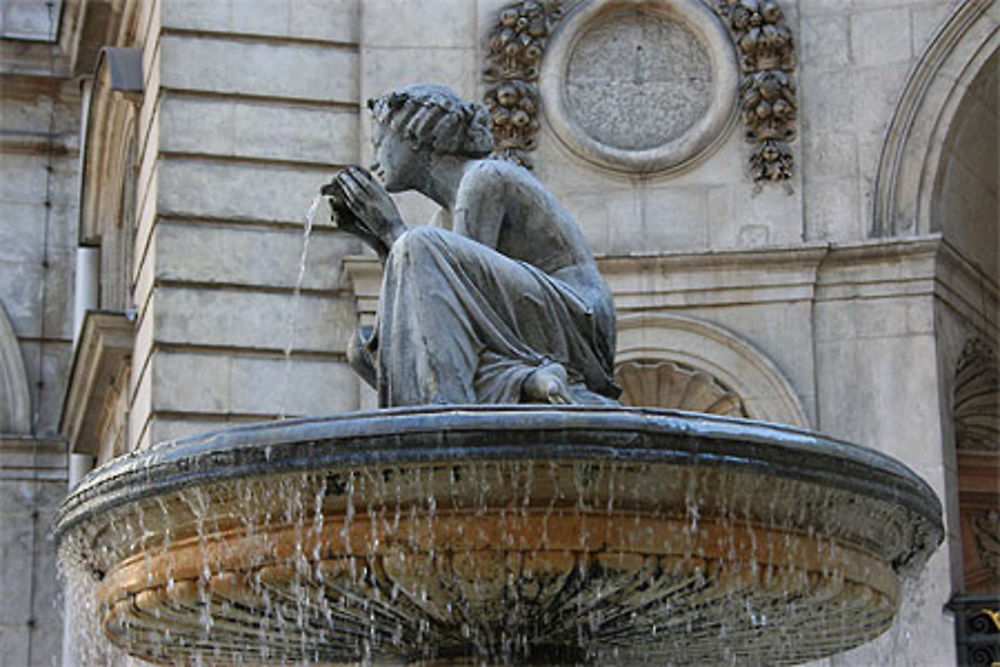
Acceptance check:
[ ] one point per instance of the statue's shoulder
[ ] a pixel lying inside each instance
(497, 172)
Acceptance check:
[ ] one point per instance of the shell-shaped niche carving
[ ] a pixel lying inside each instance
(977, 398)
(668, 384)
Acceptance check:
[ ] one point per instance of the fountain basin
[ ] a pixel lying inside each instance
(498, 533)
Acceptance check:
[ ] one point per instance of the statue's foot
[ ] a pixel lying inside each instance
(547, 384)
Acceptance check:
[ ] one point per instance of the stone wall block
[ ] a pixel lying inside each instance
(261, 131)
(47, 591)
(828, 155)
(22, 291)
(329, 20)
(880, 36)
(673, 219)
(190, 382)
(250, 192)
(875, 91)
(294, 387)
(17, 543)
(831, 212)
(291, 70)
(234, 255)
(827, 100)
(865, 385)
(14, 643)
(611, 219)
(825, 41)
(248, 319)
(57, 358)
(408, 24)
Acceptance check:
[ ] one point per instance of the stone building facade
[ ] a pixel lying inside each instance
(795, 204)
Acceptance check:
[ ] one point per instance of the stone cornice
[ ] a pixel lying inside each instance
(32, 459)
(713, 278)
(879, 268)
(105, 344)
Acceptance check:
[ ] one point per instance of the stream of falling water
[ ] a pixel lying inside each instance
(293, 316)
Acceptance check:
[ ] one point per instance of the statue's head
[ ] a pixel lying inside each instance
(419, 120)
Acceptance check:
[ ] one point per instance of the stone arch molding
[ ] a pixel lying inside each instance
(911, 153)
(767, 395)
(15, 401)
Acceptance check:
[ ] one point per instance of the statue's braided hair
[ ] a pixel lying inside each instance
(435, 116)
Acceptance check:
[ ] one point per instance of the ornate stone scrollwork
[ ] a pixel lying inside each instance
(517, 44)
(767, 89)
(977, 398)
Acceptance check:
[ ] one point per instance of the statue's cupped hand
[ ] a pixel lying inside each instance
(361, 206)
(369, 202)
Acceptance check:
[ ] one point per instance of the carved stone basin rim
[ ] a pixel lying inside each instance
(434, 434)
(505, 533)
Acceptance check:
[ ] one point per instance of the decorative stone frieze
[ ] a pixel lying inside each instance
(767, 85)
(976, 398)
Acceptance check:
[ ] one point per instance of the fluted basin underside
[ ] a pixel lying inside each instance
(505, 534)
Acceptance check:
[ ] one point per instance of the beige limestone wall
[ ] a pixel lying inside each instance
(250, 110)
(855, 58)
(38, 171)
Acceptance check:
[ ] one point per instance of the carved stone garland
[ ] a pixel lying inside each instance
(517, 44)
(767, 60)
(767, 88)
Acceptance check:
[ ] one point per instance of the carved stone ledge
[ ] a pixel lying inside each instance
(102, 355)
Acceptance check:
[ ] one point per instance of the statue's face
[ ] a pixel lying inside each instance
(397, 162)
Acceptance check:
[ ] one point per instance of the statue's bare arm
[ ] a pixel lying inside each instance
(480, 205)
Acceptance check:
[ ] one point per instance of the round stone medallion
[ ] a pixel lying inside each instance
(647, 86)
(635, 81)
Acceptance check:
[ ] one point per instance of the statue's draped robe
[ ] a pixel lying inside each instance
(459, 322)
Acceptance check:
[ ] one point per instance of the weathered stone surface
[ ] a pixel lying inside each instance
(232, 255)
(332, 20)
(260, 320)
(285, 132)
(232, 385)
(295, 70)
(636, 81)
(235, 191)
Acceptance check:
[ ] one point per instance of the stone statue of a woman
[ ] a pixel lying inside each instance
(504, 306)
